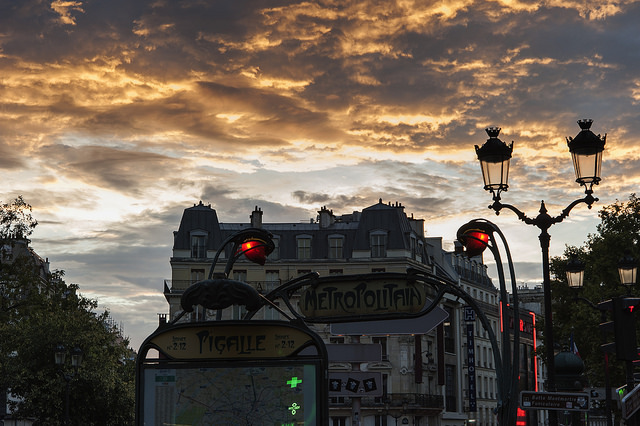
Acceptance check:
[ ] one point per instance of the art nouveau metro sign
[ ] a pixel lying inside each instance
(362, 295)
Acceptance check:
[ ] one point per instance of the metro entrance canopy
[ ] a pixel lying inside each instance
(261, 371)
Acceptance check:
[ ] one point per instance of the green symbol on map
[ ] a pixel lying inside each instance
(294, 408)
(294, 382)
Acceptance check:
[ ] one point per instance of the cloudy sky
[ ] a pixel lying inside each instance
(116, 115)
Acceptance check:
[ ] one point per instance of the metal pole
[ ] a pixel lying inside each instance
(548, 321)
(631, 421)
(66, 400)
(355, 401)
(607, 385)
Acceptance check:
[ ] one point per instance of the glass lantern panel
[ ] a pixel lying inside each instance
(575, 279)
(587, 167)
(495, 175)
(628, 275)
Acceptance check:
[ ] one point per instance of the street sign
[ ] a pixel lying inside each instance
(631, 403)
(469, 313)
(419, 325)
(578, 401)
(355, 383)
(231, 340)
(362, 295)
(354, 352)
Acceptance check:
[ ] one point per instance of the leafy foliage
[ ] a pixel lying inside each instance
(39, 311)
(574, 309)
(16, 221)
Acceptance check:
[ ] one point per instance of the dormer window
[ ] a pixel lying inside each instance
(304, 246)
(336, 243)
(378, 242)
(199, 245)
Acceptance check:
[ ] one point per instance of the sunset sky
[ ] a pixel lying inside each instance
(116, 115)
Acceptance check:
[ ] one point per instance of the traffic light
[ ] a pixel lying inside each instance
(623, 326)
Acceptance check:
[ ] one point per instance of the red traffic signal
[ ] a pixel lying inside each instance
(475, 241)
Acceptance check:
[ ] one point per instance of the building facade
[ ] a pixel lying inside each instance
(425, 376)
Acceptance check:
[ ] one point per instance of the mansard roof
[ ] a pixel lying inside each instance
(384, 217)
(356, 229)
(198, 217)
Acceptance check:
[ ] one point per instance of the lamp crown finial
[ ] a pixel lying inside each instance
(493, 131)
(585, 123)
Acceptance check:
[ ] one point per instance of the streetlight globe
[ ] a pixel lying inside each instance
(586, 151)
(76, 357)
(575, 272)
(627, 269)
(494, 157)
(60, 354)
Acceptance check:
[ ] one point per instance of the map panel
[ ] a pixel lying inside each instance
(248, 395)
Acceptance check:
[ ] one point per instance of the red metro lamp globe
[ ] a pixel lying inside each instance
(255, 250)
(475, 242)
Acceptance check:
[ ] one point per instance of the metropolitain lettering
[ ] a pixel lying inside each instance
(363, 298)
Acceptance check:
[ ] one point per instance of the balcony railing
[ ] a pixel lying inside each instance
(395, 401)
(177, 286)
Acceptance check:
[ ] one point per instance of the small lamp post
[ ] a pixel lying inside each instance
(627, 269)
(60, 356)
(586, 151)
(575, 272)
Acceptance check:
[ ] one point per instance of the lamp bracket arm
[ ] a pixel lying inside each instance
(497, 206)
(544, 220)
(589, 199)
(587, 301)
(250, 314)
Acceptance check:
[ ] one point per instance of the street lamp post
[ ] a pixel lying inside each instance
(627, 270)
(586, 151)
(60, 355)
(574, 271)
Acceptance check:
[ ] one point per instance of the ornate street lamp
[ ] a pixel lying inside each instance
(575, 272)
(627, 269)
(60, 355)
(494, 156)
(586, 151)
